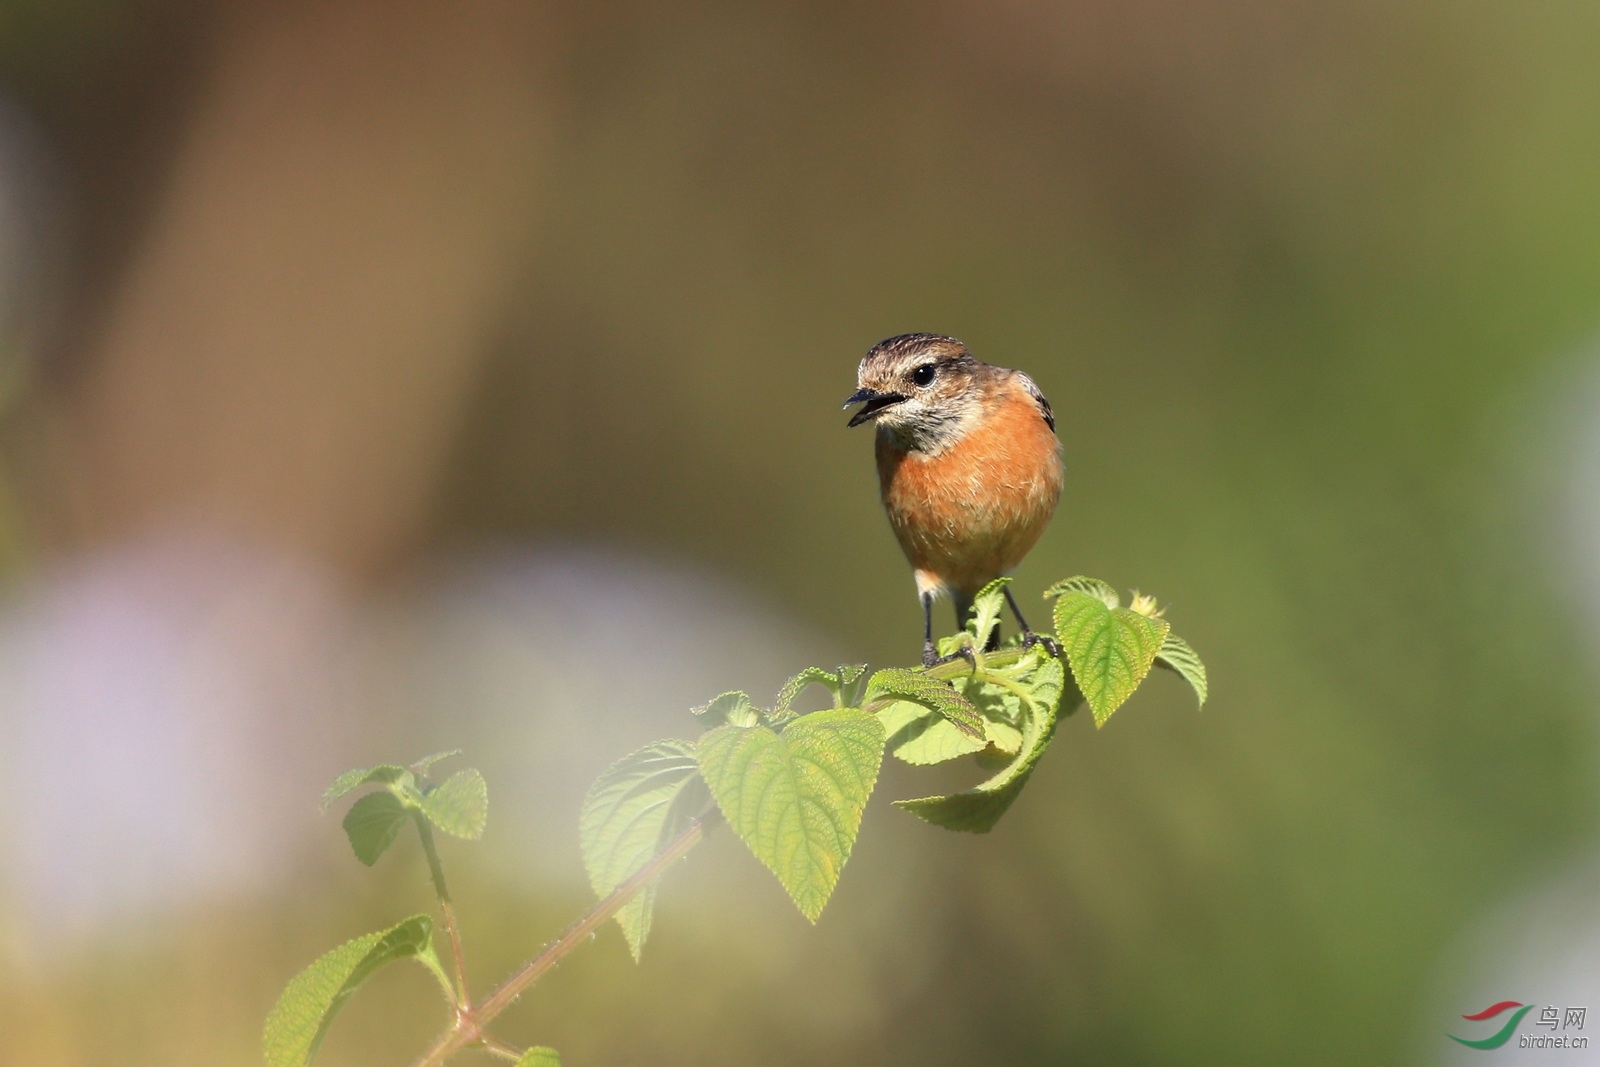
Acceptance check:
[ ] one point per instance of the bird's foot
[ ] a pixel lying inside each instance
(1029, 639)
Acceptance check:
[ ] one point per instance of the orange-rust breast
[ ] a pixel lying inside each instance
(970, 513)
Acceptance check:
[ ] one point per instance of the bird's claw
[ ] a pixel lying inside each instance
(931, 657)
(1029, 639)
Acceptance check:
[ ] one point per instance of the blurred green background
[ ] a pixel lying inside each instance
(1312, 288)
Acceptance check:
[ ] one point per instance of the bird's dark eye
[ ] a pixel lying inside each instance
(923, 375)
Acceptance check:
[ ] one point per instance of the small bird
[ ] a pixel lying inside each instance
(969, 466)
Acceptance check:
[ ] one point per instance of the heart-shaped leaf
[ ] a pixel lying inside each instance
(459, 805)
(631, 812)
(1110, 648)
(796, 798)
(372, 824)
(300, 1019)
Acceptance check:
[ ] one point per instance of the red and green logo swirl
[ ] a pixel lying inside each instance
(1505, 1032)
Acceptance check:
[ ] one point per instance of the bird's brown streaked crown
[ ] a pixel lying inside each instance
(924, 389)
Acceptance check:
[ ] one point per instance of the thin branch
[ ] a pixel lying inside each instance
(500, 1048)
(469, 1025)
(947, 672)
(436, 869)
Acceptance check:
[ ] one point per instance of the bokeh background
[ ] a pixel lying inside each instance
(387, 377)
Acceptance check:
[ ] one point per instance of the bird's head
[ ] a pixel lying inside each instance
(922, 388)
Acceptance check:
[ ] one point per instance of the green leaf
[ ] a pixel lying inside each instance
(987, 607)
(796, 685)
(459, 805)
(1005, 740)
(1110, 649)
(998, 692)
(1088, 586)
(978, 809)
(732, 708)
(1176, 654)
(630, 814)
(851, 676)
(540, 1056)
(297, 1023)
(796, 798)
(372, 824)
(920, 736)
(930, 693)
(422, 765)
(383, 774)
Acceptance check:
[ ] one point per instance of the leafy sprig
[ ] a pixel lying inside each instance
(793, 786)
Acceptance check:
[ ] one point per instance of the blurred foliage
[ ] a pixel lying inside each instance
(1293, 303)
(793, 787)
(1301, 282)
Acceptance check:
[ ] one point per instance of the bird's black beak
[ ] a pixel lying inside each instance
(876, 402)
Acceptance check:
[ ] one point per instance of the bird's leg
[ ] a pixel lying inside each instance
(1029, 638)
(930, 651)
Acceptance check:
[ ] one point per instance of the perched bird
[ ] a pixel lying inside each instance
(968, 465)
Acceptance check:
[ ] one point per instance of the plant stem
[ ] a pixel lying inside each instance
(436, 869)
(470, 1024)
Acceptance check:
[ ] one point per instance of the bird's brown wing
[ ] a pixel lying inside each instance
(1038, 398)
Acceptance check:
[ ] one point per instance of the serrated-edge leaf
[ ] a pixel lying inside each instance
(372, 824)
(459, 805)
(900, 683)
(633, 810)
(539, 1056)
(299, 1020)
(795, 799)
(382, 774)
(987, 608)
(891, 680)
(922, 737)
(1005, 740)
(1093, 587)
(1176, 654)
(731, 707)
(797, 685)
(978, 809)
(919, 736)
(998, 693)
(422, 765)
(1110, 649)
(852, 681)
